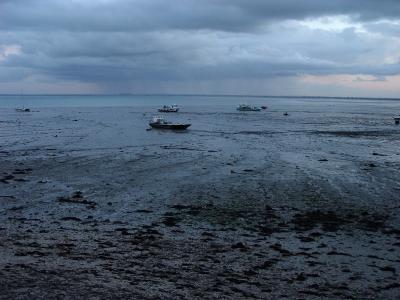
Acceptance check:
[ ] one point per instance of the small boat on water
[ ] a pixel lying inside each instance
(397, 120)
(264, 107)
(246, 107)
(169, 108)
(22, 110)
(161, 123)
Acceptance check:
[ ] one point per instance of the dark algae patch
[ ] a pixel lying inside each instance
(333, 221)
(77, 198)
(329, 221)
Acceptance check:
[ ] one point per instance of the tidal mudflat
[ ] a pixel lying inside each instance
(242, 205)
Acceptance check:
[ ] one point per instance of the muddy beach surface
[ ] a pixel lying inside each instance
(242, 205)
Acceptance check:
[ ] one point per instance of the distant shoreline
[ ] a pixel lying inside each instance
(207, 95)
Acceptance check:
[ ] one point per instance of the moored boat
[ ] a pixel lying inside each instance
(161, 123)
(246, 107)
(22, 110)
(169, 108)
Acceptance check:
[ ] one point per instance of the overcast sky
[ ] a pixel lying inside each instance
(282, 47)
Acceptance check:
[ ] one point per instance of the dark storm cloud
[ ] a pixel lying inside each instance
(113, 41)
(115, 57)
(229, 15)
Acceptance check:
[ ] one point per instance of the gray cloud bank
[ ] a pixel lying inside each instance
(226, 15)
(124, 43)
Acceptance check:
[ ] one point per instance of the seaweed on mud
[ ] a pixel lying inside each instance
(329, 221)
(71, 219)
(23, 171)
(77, 198)
(268, 264)
(278, 247)
(227, 216)
(144, 211)
(239, 246)
(372, 222)
(261, 221)
(145, 238)
(6, 178)
(170, 221)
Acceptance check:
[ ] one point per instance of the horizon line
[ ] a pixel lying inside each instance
(208, 95)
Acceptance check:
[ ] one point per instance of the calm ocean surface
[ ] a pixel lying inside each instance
(119, 120)
(224, 103)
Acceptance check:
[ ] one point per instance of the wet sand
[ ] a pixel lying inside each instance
(254, 205)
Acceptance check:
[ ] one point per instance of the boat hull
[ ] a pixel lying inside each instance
(22, 110)
(169, 126)
(168, 110)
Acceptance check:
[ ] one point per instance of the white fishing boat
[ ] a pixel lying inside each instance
(169, 108)
(247, 107)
